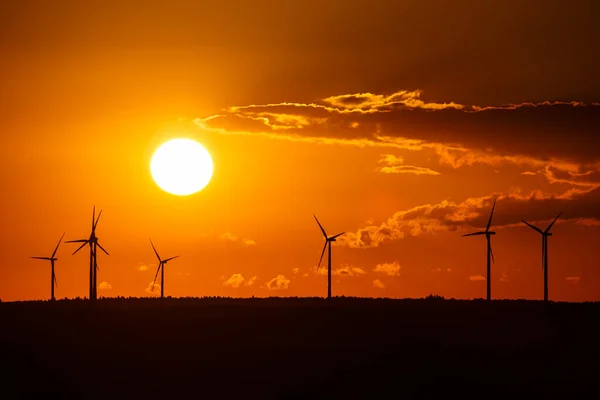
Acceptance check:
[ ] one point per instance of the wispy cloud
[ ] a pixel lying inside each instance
(407, 169)
(232, 238)
(103, 286)
(378, 284)
(438, 269)
(348, 270)
(393, 165)
(573, 279)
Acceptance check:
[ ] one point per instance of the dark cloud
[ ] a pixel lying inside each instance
(528, 134)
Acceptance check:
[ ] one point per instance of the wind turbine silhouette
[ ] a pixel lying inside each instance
(92, 241)
(490, 253)
(545, 235)
(52, 259)
(328, 241)
(161, 267)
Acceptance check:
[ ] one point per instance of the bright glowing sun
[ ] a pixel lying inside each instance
(181, 167)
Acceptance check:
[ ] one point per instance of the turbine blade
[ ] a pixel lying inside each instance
(42, 258)
(474, 234)
(532, 227)
(320, 226)
(339, 234)
(93, 217)
(169, 259)
(491, 214)
(58, 244)
(156, 276)
(322, 253)
(155, 252)
(102, 248)
(80, 247)
(77, 241)
(55, 281)
(550, 226)
(96, 223)
(492, 254)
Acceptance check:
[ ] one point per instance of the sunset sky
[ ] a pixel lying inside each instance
(398, 122)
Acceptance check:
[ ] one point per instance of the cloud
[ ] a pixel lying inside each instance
(228, 236)
(407, 169)
(442, 269)
(548, 134)
(476, 278)
(447, 216)
(237, 280)
(280, 282)
(393, 165)
(251, 281)
(296, 271)
(104, 286)
(390, 269)
(378, 284)
(348, 270)
(404, 115)
(232, 238)
(530, 173)
(153, 289)
(573, 279)
(143, 268)
(234, 281)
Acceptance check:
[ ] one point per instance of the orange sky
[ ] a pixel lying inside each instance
(397, 122)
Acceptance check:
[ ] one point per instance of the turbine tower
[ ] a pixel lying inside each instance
(92, 241)
(53, 276)
(328, 241)
(161, 267)
(545, 235)
(490, 253)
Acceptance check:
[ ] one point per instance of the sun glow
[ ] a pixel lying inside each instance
(181, 167)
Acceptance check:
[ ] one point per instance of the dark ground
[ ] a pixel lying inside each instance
(299, 348)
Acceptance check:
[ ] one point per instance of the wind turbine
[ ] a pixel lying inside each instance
(545, 235)
(161, 267)
(328, 241)
(92, 241)
(52, 259)
(490, 253)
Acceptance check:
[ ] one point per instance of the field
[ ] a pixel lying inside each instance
(298, 348)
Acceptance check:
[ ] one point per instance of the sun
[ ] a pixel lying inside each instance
(181, 167)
